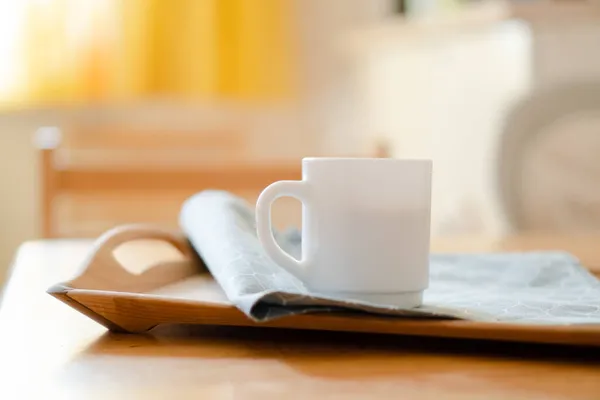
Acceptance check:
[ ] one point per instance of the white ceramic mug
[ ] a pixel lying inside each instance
(366, 227)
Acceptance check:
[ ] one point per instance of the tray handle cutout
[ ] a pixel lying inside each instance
(103, 271)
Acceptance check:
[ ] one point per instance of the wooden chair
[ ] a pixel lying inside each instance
(94, 179)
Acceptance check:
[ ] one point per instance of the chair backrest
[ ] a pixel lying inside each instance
(93, 179)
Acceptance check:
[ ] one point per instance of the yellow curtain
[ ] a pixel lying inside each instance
(129, 50)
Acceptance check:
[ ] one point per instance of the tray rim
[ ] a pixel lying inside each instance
(103, 306)
(138, 312)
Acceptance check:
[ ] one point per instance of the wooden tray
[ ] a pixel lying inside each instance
(179, 290)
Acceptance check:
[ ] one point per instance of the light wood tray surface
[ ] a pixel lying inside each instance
(136, 278)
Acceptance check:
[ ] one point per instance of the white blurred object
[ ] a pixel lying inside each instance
(549, 167)
(441, 85)
(441, 92)
(47, 137)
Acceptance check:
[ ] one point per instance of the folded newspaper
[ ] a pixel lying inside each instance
(532, 288)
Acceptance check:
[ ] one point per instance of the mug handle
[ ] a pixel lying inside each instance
(296, 189)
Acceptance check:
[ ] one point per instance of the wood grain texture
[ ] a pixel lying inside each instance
(50, 350)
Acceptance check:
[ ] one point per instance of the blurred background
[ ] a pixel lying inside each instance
(115, 111)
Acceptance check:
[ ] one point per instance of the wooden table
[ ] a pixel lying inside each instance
(49, 350)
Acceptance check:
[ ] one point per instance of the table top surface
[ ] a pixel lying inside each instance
(48, 349)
